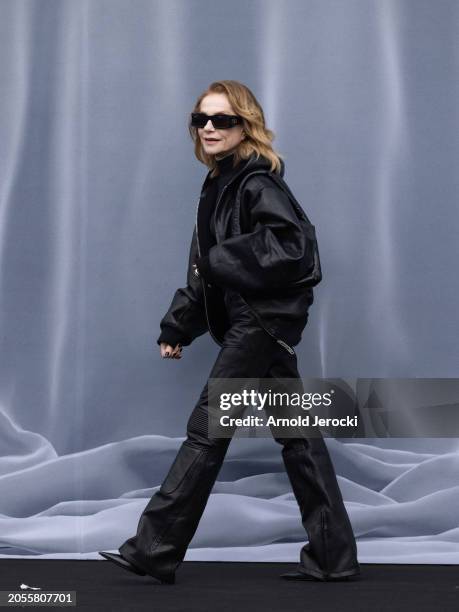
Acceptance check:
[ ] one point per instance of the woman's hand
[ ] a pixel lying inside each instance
(169, 352)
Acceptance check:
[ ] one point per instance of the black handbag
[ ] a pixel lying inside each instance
(313, 275)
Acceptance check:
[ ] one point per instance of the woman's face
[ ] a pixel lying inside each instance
(218, 142)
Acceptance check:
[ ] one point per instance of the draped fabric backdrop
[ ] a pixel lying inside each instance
(98, 192)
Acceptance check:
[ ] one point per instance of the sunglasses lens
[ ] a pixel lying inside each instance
(220, 122)
(198, 120)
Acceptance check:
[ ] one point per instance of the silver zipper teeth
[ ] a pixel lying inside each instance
(216, 208)
(202, 280)
(286, 346)
(281, 342)
(199, 253)
(324, 538)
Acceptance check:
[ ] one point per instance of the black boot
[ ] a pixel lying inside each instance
(171, 517)
(331, 551)
(130, 567)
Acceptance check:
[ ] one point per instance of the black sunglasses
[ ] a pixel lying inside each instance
(220, 122)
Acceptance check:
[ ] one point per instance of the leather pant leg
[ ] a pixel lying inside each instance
(170, 519)
(331, 550)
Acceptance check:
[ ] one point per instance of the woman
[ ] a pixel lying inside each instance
(239, 287)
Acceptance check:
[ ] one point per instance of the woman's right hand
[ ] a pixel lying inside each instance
(169, 352)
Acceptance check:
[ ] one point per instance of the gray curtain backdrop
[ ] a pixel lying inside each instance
(98, 190)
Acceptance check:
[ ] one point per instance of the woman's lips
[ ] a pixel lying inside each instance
(210, 141)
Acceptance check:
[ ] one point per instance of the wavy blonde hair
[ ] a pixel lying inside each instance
(258, 137)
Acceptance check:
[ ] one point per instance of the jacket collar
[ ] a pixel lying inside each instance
(249, 165)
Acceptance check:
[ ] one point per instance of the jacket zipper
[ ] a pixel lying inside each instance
(202, 280)
(324, 528)
(281, 342)
(287, 347)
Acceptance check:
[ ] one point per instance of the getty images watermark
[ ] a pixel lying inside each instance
(337, 407)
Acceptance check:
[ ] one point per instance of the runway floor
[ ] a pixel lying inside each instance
(221, 586)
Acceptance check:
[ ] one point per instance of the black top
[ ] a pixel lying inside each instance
(210, 196)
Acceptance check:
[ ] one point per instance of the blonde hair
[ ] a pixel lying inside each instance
(258, 137)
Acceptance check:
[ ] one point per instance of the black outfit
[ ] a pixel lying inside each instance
(259, 265)
(249, 349)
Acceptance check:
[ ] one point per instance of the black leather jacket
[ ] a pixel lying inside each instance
(258, 265)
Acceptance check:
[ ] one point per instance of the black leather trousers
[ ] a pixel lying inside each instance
(171, 517)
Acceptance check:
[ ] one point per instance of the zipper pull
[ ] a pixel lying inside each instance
(286, 346)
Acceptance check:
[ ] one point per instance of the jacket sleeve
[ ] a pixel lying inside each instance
(185, 319)
(268, 256)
